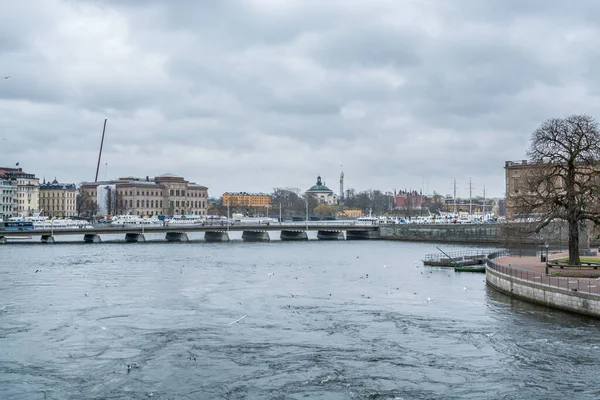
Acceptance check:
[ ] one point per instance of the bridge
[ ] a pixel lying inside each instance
(217, 232)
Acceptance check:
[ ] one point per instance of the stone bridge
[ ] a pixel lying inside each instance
(326, 230)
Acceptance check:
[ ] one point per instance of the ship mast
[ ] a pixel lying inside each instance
(100, 153)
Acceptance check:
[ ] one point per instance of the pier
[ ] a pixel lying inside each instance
(289, 231)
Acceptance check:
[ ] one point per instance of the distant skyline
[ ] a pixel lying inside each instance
(253, 95)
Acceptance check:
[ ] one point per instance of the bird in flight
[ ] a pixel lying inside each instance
(7, 77)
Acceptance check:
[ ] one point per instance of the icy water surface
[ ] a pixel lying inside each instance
(279, 320)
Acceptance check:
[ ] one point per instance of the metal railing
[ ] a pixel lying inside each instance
(456, 255)
(585, 285)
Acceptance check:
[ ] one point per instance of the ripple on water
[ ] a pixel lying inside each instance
(314, 326)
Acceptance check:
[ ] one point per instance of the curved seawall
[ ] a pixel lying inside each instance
(568, 294)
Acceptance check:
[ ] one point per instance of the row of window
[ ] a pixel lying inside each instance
(172, 192)
(175, 212)
(54, 194)
(58, 201)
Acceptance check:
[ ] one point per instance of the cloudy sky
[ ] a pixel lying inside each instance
(249, 95)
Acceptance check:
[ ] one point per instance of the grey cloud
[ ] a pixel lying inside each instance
(253, 95)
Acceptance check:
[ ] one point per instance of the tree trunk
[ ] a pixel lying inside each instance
(574, 242)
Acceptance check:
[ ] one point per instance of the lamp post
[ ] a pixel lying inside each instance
(306, 220)
(547, 245)
(228, 221)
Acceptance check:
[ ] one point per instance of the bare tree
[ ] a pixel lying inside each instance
(562, 184)
(86, 205)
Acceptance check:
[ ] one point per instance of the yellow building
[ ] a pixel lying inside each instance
(243, 199)
(350, 213)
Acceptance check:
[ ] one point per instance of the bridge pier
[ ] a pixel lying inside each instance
(330, 235)
(293, 235)
(47, 239)
(3, 240)
(216, 236)
(362, 235)
(176, 237)
(255, 236)
(134, 237)
(91, 238)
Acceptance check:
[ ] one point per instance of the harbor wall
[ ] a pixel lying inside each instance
(496, 233)
(559, 298)
(456, 233)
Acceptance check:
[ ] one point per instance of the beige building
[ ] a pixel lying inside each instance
(166, 194)
(58, 199)
(27, 196)
(243, 199)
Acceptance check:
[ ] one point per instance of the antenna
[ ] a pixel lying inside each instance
(100, 153)
(483, 201)
(454, 195)
(470, 197)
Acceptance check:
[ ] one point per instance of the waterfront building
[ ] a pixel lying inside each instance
(243, 199)
(516, 173)
(166, 194)
(27, 196)
(408, 199)
(8, 190)
(322, 193)
(58, 199)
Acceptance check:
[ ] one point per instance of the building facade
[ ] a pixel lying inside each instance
(243, 199)
(8, 190)
(58, 199)
(516, 172)
(27, 196)
(166, 194)
(322, 193)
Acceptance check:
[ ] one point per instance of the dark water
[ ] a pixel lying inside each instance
(315, 326)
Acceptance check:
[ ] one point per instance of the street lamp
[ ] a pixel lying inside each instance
(306, 220)
(547, 245)
(228, 221)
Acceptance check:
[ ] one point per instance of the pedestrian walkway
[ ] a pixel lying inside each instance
(535, 264)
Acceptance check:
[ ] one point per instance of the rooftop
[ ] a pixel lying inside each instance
(319, 186)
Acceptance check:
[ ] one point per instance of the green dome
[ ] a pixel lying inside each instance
(319, 186)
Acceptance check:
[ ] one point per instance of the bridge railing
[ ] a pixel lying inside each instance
(587, 286)
(456, 255)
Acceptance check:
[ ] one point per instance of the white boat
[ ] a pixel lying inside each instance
(41, 222)
(56, 223)
(129, 220)
(186, 220)
(367, 221)
(242, 219)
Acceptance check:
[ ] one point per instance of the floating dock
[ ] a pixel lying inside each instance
(464, 258)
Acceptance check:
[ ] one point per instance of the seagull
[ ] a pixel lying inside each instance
(7, 77)
(428, 299)
(271, 274)
(465, 289)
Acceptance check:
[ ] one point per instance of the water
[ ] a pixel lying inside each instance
(312, 324)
